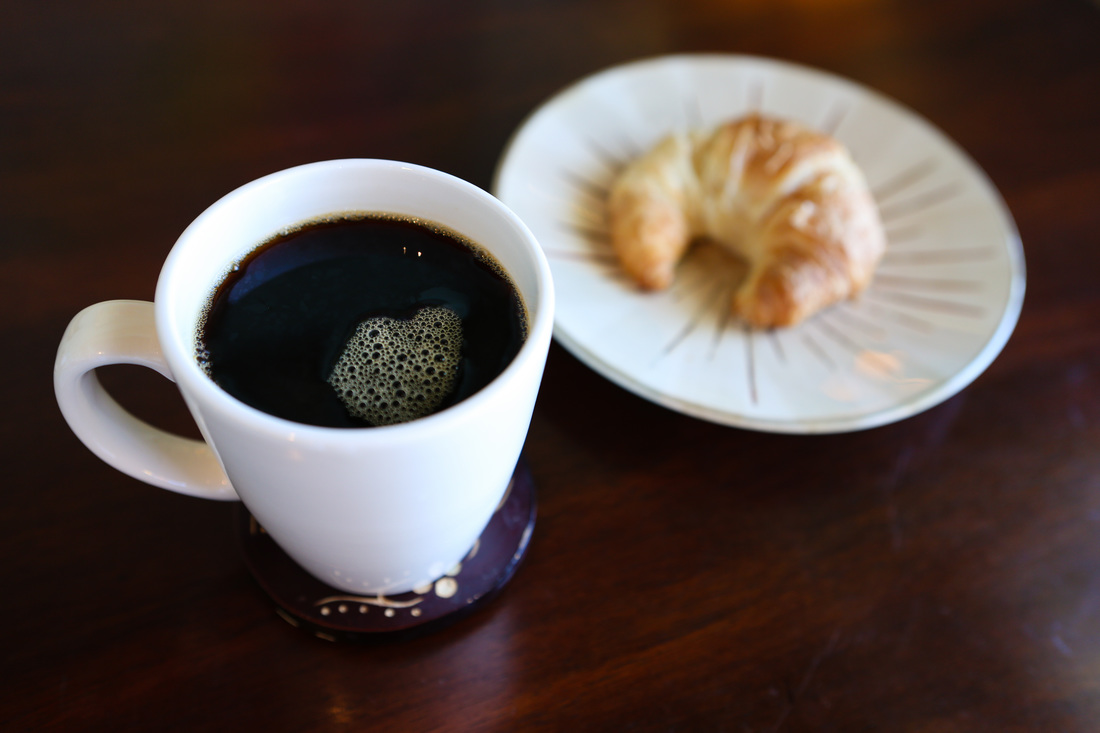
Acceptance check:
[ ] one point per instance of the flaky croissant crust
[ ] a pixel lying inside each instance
(788, 200)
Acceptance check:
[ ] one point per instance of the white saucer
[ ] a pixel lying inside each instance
(944, 301)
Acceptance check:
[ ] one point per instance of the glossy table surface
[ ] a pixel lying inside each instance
(941, 573)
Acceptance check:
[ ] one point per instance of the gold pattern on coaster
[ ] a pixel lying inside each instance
(379, 601)
(340, 615)
(445, 587)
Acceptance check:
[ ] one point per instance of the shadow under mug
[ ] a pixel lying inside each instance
(368, 510)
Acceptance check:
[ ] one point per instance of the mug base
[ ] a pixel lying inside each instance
(336, 615)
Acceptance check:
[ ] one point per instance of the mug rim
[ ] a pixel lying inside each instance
(190, 377)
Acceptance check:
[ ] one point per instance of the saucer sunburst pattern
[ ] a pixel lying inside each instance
(943, 303)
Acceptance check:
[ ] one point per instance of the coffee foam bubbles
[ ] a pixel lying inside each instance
(393, 371)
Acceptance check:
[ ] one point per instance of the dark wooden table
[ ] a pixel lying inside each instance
(937, 574)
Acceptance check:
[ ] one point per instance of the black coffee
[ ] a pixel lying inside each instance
(361, 320)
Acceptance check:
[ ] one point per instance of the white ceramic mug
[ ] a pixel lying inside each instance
(368, 510)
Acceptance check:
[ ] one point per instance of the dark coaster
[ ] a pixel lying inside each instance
(335, 615)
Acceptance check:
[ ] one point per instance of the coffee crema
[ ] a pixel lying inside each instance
(361, 320)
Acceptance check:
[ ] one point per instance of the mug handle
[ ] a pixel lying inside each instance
(123, 332)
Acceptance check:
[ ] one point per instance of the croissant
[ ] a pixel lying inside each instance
(789, 201)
